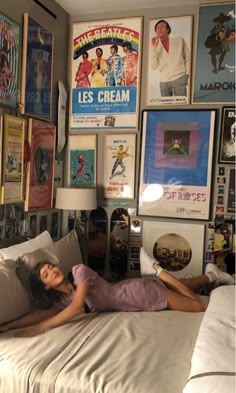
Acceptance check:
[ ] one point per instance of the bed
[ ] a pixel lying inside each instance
(126, 352)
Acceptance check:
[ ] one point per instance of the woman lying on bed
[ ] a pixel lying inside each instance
(64, 299)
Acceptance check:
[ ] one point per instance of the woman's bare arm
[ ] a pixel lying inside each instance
(29, 319)
(70, 312)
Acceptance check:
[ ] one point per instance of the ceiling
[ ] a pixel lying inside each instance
(85, 7)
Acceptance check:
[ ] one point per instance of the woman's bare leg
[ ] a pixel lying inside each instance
(195, 282)
(180, 297)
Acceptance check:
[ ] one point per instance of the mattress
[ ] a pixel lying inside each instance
(126, 352)
(213, 361)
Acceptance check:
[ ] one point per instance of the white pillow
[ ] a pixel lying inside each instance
(14, 301)
(65, 251)
(13, 252)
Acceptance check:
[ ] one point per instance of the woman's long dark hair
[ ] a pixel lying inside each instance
(42, 298)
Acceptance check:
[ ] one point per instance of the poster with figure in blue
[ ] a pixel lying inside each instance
(215, 61)
(36, 70)
(105, 74)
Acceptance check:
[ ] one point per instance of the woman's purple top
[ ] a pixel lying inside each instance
(136, 294)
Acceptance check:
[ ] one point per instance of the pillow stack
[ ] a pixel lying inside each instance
(17, 261)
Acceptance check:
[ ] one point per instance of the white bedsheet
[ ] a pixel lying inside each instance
(140, 352)
(213, 362)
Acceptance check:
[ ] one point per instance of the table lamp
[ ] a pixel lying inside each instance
(76, 199)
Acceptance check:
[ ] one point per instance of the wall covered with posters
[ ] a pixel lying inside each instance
(123, 68)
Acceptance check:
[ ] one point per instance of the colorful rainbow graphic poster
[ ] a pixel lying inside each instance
(105, 74)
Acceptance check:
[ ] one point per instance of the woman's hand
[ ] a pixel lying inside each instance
(32, 331)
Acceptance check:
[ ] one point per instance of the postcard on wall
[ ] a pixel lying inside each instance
(36, 89)
(82, 160)
(9, 54)
(228, 136)
(169, 61)
(177, 247)
(215, 55)
(176, 163)
(119, 166)
(105, 74)
(13, 159)
(40, 169)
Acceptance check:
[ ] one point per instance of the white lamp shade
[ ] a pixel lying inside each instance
(76, 198)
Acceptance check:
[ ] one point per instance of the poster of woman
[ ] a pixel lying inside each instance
(105, 74)
(215, 55)
(169, 61)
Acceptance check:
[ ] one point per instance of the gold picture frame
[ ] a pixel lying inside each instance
(12, 189)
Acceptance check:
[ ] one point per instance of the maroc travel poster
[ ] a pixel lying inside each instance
(105, 74)
(215, 59)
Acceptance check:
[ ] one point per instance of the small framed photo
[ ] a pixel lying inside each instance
(119, 167)
(10, 45)
(40, 168)
(169, 61)
(227, 151)
(36, 81)
(32, 225)
(82, 158)
(43, 222)
(55, 224)
(13, 159)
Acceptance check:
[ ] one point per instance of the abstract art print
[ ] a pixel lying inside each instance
(178, 247)
(176, 163)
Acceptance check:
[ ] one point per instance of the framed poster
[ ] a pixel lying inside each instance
(215, 55)
(82, 160)
(228, 136)
(119, 167)
(176, 163)
(178, 247)
(169, 61)
(13, 159)
(1, 153)
(225, 192)
(40, 168)
(105, 74)
(36, 82)
(9, 59)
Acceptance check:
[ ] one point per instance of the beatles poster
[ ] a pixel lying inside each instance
(176, 163)
(228, 136)
(169, 61)
(215, 59)
(119, 168)
(9, 52)
(40, 168)
(36, 69)
(105, 74)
